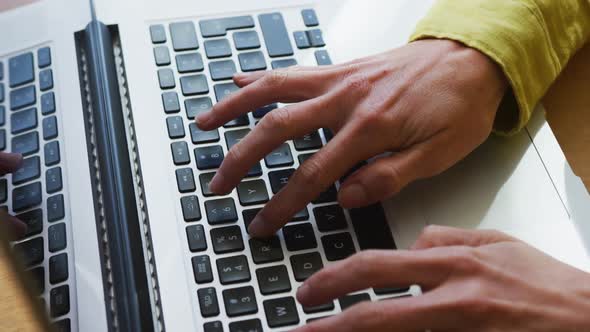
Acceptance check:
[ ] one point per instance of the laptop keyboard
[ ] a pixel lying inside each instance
(35, 193)
(241, 283)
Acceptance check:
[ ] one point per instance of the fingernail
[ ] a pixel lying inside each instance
(303, 292)
(11, 161)
(353, 195)
(216, 183)
(203, 118)
(256, 228)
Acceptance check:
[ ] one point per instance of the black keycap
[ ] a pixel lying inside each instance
(233, 269)
(305, 265)
(256, 170)
(315, 38)
(53, 182)
(250, 325)
(3, 190)
(49, 128)
(31, 169)
(34, 221)
(217, 48)
(281, 312)
(175, 127)
(329, 195)
(38, 277)
(180, 154)
(60, 301)
(223, 90)
(219, 26)
(240, 301)
(301, 40)
(303, 157)
(273, 279)
(58, 268)
(252, 61)
(22, 97)
(55, 208)
(390, 290)
(374, 234)
(46, 79)
(350, 300)
(241, 120)
(26, 196)
(232, 137)
(63, 325)
(338, 246)
(190, 208)
(23, 120)
(195, 106)
(322, 58)
(31, 252)
(281, 156)
(329, 218)
(56, 237)
(44, 57)
(283, 63)
(279, 179)
(196, 238)
(222, 70)
(248, 216)
(208, 302)
(185, 180)
(205, 179)
(319, 308)
(308, 142)
(215, 326)
(194, 85)
(221, 211)
(202, 269)
(21, 69)
(158, 33)
(266, 250)
(166, 78)
(275, 35)
(199, 136)
(245, 40)
(2, 115)
(299, 237)
(209, 157)
(189, 62)
(1, 70)
(162, 55)
(309, 18)
(227, 239)
(51, 153)
(301, 215)
(47, 103)
(262, 111)
(252, 192)
(1, 93)
(184, 36)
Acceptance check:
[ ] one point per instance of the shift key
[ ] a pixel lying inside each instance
(275, 35)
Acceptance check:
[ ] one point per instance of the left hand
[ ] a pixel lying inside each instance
(472, 281)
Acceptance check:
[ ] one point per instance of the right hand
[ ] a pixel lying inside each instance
(10, 162)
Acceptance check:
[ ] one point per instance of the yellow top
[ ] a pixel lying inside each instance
(531, 40)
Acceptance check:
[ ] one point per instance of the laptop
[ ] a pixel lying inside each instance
(124, 235)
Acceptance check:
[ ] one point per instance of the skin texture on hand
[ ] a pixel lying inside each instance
(10, 162)
(428, 104)
(471, 281)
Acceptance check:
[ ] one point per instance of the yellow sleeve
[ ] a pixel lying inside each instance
(531, 40)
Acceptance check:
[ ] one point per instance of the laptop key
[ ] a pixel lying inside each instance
(250, 325)
(158, 33)
(319, 308)
(202, 269)
(248, 216)
(273, 280)
(180, 154)
(279, 179)
(219, 26)
(241, 120)
(329, 218)
(275, 35)
(199, 136)
(217, 48)
(44, 57)
(233, 270)
(189, 62)
(49, 128)
(305, 265)
(59, 301)
(184, 36)
(2, 115)
(240, 301)
(58, 268)
(175, 127)
(205, 179)
(21, 69)
(26, 196)
(390, 290)
(338, 246)
(322, 58)
(252, 192)
(209, 157)
(215, 326)
(190, 208)
(328, 195)
(195, 106)
(283, 63)
(170, 102)
(47, 103)
(224, 89)
(166, 78)
(53, 182)
(208, 302)
(22, 97)
(222, 70)
(194, 85)
(161, 56)
(46, 80)
(23, 120)
(308, 142)
(34, 221)
(227, 239)
(262, 111)
(252, 61)
(31, 169)
(281, 312)
(31, 252)
(63, 325)
(310, 19)
(51, 153)
(280, 157)
(256, 170)
(3, 190)
(232, 137)
(299, 237)
(220, 211)
(56, 237)
(266, 250)
(315, 38)
(245, 40)
(38, 277)
(350, 300)
(55, 208)
(1, 93)
(301, 40)
(1, 70)
(375, 234)
(196, 238)
(185, 180)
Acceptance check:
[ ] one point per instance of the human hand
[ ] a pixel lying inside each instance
(10, 162)
(430, 102)
(471, 281)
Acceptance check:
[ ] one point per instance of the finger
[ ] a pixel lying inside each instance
(374, 268)
(440, 236)
(274, 86)
(10, 162)
(243, 79)
(273, 130)
(16, 227)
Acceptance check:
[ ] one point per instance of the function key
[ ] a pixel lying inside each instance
(299, 237)
(55, 208)
(281, 312)
(275, 35)
(23, 97)
(309, 18)
(195, 106)
(252, 192)
(219, 26)
(184, 36)
(209, 157)
(281, 156)
(21, 69)
(232, 270)
(329, 218)
(273, 280)
(350, 300)
(161, 56)
(199, 136)
(46, 79)
(283, 63)
(227, 239)
(31, 252)
(323, 59)
(190, 208)
(49, 127)
(240, 301)
(26, 196)
(30, 169)
(180, 154)
(185, 180)
(308, 142)
(175, 127)
(53, 182)
(245, 40)
(217, 48)
(338, 246)
(34, 221)
(266, 250)
(252, 61)
(221, 211)
(305, 265)
(315, 38)
(215, 326)
(279, 179)
(301, 39)
(166, 78)
(194, 85)
(208, 302)
(51, 153)
(56, 235)
(223, 90)
(222, 70)
(264, 110)
(47, 103)
(202, 269)
(44, 57)
(58, 268)
(23, 120)
(189, 62)
(158, 33)
(170, 102)
(59, 299)
(205, 179)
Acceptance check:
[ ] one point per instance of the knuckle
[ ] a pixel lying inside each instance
(307, 176)
(357, 84)
(234, 154)
(467, 262)
(276, 78)
(475, 300)
(369, 313)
